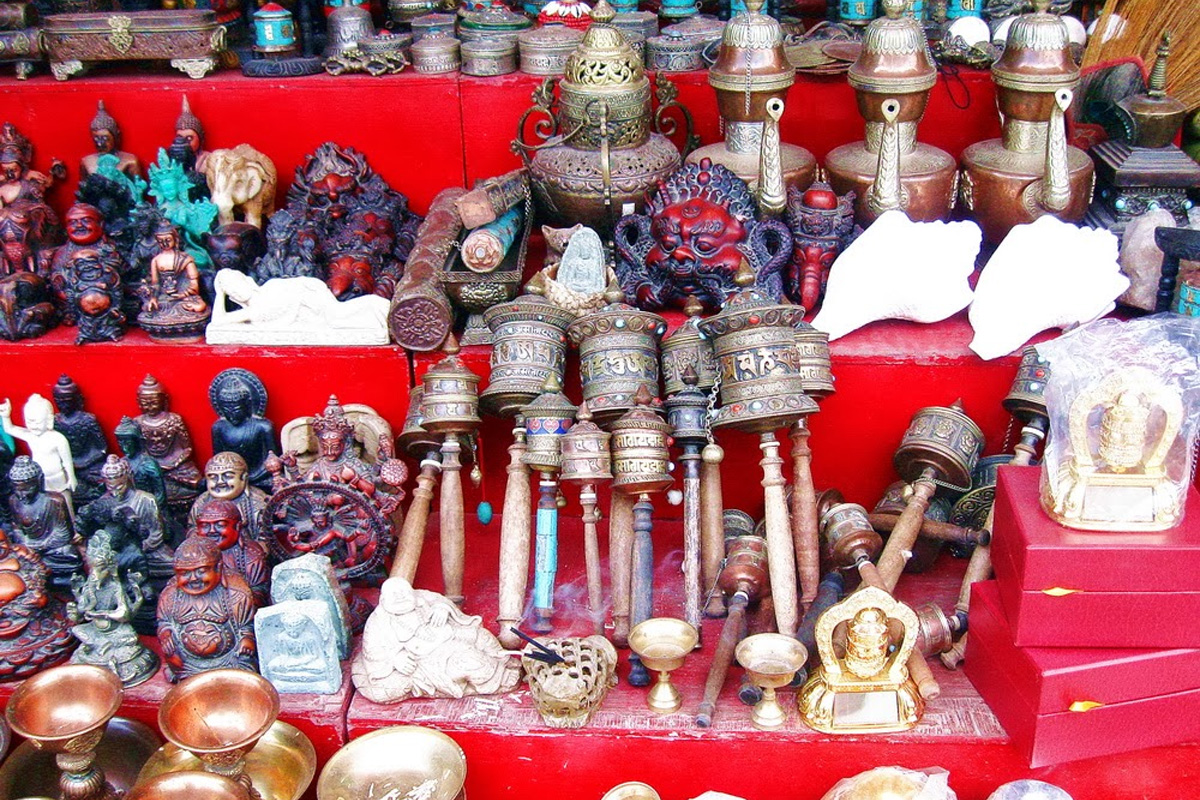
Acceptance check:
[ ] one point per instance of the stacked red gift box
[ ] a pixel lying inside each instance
(1086, 643)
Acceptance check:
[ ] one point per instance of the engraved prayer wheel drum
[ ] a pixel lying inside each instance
(745, 563)
(547, 418)
(941, 437)
(414, 439)
(847, 535)
(529, 345)
(687, 414)
(751, 66)
(641, 458)
(686, 347)
(754, 339)
(618, 354)
(1026, 398)
(585, 454)
(450, 403)
(971, 510)
(816, 366)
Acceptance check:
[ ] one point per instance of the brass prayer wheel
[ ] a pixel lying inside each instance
(685, 347)
(413, 438)
(529, 345)
(618, 354)
(942, 438)
(745, 565)
(848, 536)
(1031, 170)
(890, 169)
(687, 414)
(1026, 397)
(585, 454)
(450, 402)
(754, 339)
(816, 367)
(640, 441)
(971, 510)
(547, 418)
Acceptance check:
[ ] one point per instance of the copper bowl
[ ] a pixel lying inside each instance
(400, 761)
(62, 705)
(188, 785)
(220, 711)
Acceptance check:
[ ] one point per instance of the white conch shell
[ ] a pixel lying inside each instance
(1047, 274)
(900, 269)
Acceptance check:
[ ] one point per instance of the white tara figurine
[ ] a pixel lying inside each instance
(900, 269)
(1047, 274)
(292, 311)
(48, 448)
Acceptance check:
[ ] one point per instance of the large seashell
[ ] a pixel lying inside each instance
(900, 269)
(972, 30)
(1047, 274)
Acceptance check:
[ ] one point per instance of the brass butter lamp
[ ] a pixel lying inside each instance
(189, 785)
(663, 643)
(771, 660)
(402, 761)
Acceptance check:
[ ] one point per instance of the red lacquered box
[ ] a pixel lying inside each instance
(1066, 588)
(1064, 704)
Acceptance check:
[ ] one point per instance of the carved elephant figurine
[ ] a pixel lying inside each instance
(244, 179)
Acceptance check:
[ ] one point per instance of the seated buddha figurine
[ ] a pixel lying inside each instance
(172, 308)
(698, 226)
(34, 633)
(42, 522)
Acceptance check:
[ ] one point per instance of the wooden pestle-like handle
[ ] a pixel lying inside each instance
(931, 529)
(732, 632)
(692, 593)
(591, 556)
(416, 522)
(620, 563)
(781, 557)
(805, 533)
(712, 526)
(904, 535)
(450, 516)
(641, 589)
(515, 533)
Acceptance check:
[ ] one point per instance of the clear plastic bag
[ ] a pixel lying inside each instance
(894, 782)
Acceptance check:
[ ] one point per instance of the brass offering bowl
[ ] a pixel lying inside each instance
(189, 785)
(771, 660)
(401, 761)
(632, 790)
(662, 643)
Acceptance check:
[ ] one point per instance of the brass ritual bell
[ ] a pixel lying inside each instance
(1031, 170)
(751, 70)
(599, 153)
(891, 169)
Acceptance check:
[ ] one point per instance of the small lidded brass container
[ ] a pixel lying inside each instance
(450, 402)
(435, 53)
(640, 442)
(754, 338)
(547, 419)
(544, 51)
(529, 345)
(486, 58)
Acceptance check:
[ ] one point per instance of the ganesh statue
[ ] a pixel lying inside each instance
(342, 224)
(700, 223)
(822, 225)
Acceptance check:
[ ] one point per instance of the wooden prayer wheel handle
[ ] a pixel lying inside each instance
(954, 656)
(732, 632)
(515, 534)
(416, 522)
(451, 519)
(805, 534)
(932, 529)
(641, 590)
(829, 593)
(907, 528)
(620, 563)
(692, 591)
(591, 556)
(781, 557)
(712, 526)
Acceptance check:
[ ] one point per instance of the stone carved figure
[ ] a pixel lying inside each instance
(171, 189)
(172, 307)
(93, 293)
(419, 644)
(147, 474)
(26, 304)
(102, 613)
(297, 650)
(576, 278)
(221, 521)
(243, 179)
(700, 223)
(240, 400)
(41, 521)
(205, 615)
(226, 477)
(49, 448)
(169, 443)
(34, 633)
(310, 577)
(822, 226)
(85, 437)
(293, 311)
(106, 136)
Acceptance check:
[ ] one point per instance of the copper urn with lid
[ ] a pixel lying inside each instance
(890, 169)
(1031, 171)
(752, 69)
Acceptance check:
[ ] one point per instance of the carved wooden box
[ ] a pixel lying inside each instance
(190, 39)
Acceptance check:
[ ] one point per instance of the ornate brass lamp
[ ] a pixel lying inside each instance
(750, 72)
(529, 345)
(641, 467)
(868, 689)
(586, 459)
(662, 644)
(762, 389)
(404, 761)
(547, 418)
(891, 169)
(450, 408)
(426, 448)
(1032, 170)
(771, 660)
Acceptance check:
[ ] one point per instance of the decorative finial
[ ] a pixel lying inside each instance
(745, 277)
(754, 6)
(613, 294)
(894, 8)
(643, 396)
(1041, 6)
(603, 13)
(693, 307)
(450, 346)
(1158, 75)
(584, 414)
(551, 385)
(957, 405)
(690, 378)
